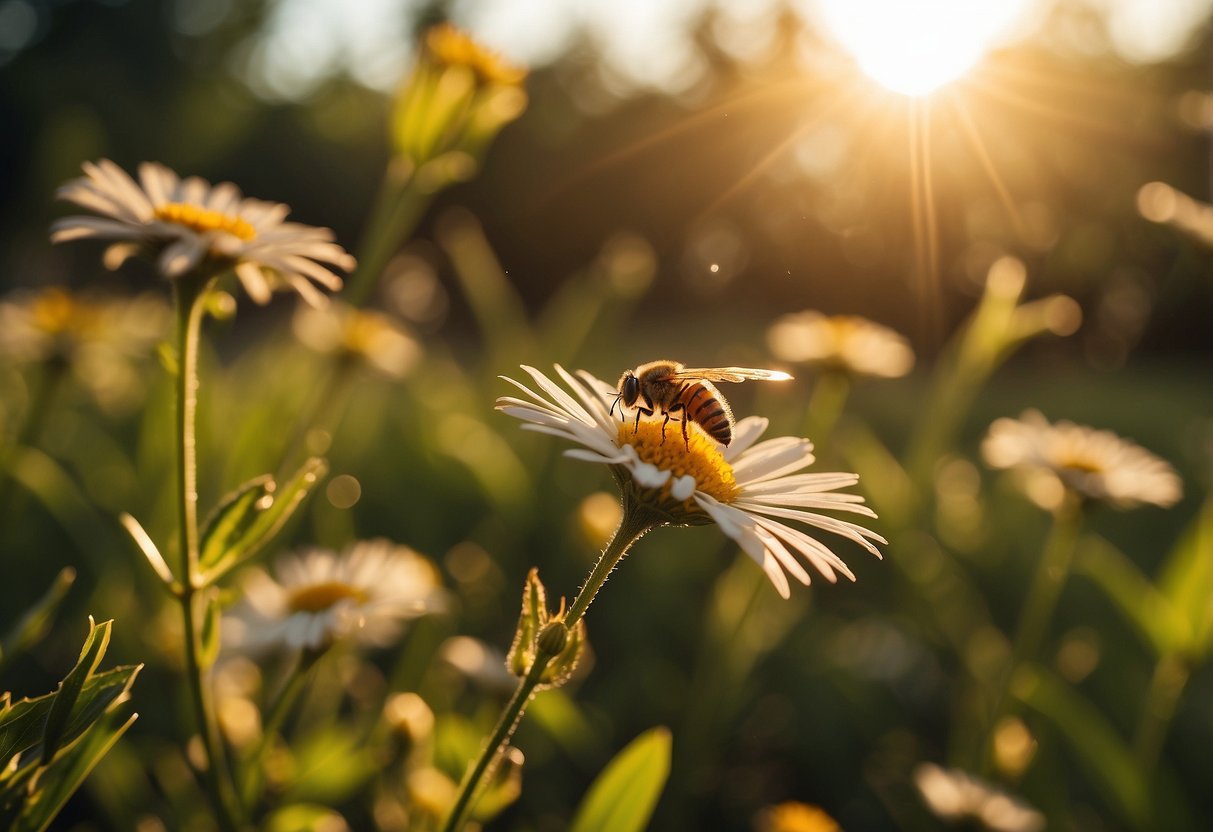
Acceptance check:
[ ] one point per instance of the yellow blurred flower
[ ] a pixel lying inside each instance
(846, 343)
(362, 334)
(1059, 458)
(796, 817)
(99, 339)
(448, 45)
(456, 100)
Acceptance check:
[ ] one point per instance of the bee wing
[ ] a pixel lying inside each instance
(733, 374)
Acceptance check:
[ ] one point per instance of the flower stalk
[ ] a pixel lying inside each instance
(637, 521)
(189, 293)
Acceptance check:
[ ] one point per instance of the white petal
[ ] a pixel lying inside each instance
(773, 458)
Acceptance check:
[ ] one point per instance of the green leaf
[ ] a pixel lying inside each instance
(33, 625)
(1187, 582)
(147, 547)
(68, 770)
(71, 687)
(304, 817)
(232, 518)
(1137, 599)
(624, 795)
(1107, 759)
(22, 723)
(251, 516)
(210, 630)
(331, 765)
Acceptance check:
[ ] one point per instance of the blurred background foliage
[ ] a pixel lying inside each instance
(677, 182)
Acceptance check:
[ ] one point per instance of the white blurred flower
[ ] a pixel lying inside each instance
(187, 224)
(843, 342)
(746, 489)
(100, 340)
(1055, 458)
(362, 334)
(954, 795)
(318, 597)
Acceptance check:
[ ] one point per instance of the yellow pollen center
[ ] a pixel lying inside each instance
(697, 457)
(320, 597)
(197, 218)
(1081, 464)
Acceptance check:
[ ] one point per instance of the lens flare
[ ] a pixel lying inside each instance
(916, 47)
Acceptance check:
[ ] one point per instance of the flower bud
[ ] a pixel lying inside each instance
(553, 638)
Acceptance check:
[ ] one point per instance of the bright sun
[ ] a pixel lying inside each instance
(916, 46)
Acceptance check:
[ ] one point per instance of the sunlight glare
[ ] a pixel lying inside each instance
(916, 47)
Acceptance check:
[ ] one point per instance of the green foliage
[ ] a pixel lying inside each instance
(34, 622)
(49, 744)
(623, 796)
(249, 518)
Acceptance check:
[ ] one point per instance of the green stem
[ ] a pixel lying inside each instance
(190, 312)
(397, 210)
(1162, 698)
(829, 398)
(1038, 607)
(637, 520)
(1047, 584)
(273, 724)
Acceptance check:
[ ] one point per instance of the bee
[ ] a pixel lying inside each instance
(669, 387)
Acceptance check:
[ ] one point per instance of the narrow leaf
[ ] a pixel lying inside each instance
(261, 515)
(1132, 593)
(144, 541)
(71, 686)
(1106, 758)
(624, 795)
(232, 517)
(1187, 581)
(210, 630)
(33, 625)
(59, 781)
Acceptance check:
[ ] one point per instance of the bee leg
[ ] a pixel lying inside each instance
(663, 424)
(686, 439)
(639, 410)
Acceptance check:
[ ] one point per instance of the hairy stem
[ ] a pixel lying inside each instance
(190, 311)
(636, 522)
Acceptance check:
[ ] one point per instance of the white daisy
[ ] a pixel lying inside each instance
(100, 340)
(747, 489)
(188, 224)
(319, 597)
(1061, 457)
(848, 343)
(954, 795)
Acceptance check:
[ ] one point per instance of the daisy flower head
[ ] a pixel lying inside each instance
(318, 597)
(750, 489)
(190, 226)
(363, 335)
(100, 340)
(846, 343)
(1055, 459)
(455, 101)
(953, 795)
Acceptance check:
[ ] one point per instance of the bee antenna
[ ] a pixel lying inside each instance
(611, 412)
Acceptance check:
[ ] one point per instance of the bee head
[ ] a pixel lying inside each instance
(629, 388)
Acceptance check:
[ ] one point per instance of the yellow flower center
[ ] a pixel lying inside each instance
(197, 218)
(320, 597)
(452, 47)
(54, 311)
(697, 457)
(1080, 464)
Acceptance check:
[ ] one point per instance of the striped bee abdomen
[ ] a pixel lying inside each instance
(706, 408)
